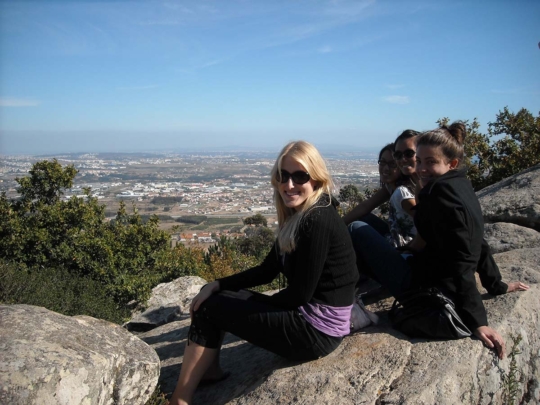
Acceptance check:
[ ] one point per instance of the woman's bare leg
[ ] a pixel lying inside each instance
(197, 360)
(214, 371)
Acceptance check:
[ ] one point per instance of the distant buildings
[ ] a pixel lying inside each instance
(130, 194)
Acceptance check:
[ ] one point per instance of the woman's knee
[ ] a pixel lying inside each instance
(360, 230)
(356, 226)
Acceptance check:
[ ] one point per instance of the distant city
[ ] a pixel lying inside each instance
(218, 185)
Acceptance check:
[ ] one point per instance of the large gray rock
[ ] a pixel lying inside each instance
(381, 365)
(515, 199)
(52, 359)
(503, 236)
(168, 302)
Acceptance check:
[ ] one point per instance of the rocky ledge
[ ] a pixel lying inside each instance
(52, 359)
(379, 365)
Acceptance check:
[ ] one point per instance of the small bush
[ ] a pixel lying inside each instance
(58, 290)
(191, 219)
(221, 221)
(167, 200)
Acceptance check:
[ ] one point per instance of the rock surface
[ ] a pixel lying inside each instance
(48, 358)
(515, 199)
(380, 365)
(503, 236)
(169, 302)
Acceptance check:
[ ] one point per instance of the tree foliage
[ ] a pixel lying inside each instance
(257, 243)
(126, 256)
(512, 144)
(351, 195)
(58, 290)
(257, 220)
(192, 219)
(64, 255)
(46, 182)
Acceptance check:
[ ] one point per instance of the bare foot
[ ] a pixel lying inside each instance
(214, 375)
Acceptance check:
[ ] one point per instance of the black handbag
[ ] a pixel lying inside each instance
(427, 313)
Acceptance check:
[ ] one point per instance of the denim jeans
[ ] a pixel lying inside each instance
(380, 225)
(377, 258)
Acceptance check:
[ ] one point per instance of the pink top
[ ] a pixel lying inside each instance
(333, 321)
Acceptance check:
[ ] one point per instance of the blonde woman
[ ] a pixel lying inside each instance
(306, 320)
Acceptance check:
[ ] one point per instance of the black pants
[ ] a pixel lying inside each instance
(281, 331)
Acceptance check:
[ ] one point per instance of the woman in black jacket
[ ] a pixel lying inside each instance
(450, 246)
(308, 318)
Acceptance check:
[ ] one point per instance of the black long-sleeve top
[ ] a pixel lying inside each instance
(449, 219)
(321, 269)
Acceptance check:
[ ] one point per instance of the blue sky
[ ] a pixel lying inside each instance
(169, 75)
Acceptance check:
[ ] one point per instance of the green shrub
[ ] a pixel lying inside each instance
(191, 219)
(257, 219)
(42, 232)
(58, 290)
(221, 221)
(166, 200)
(511, 145)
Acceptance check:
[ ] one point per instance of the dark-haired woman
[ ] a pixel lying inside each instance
(399, 158)
(449, 220)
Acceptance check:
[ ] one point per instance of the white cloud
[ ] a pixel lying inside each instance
(211, 63)
(195, 67)
(397, 99)
(18, 102)
(151, 86)
(314, 21)
(394, 86)
(324, 49)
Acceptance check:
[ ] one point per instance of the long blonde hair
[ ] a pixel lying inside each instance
(289, 219)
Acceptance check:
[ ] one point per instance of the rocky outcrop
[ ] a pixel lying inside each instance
(52, 359)
(503, 236)
(168, 302)
(515, 199)
(379, 365)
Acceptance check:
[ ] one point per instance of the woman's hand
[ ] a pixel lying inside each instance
(416, 245)
(491, 339)
(241, 295)
(517, 286)
(202, 296)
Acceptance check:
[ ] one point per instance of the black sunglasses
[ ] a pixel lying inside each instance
(391, 165)
(298, 177)
(409, 153)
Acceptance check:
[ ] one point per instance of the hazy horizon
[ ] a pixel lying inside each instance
(37, 143)
(270, 151)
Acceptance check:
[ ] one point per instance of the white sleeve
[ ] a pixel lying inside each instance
(401, 193)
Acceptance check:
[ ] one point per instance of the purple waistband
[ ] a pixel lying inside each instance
(334, 321)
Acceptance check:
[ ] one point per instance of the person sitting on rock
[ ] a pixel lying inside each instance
(306, 320)
(449, 247)
(402, 196)
(398, 161)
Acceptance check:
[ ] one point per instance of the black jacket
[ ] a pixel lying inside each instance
(322, 268)
(449, 219)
